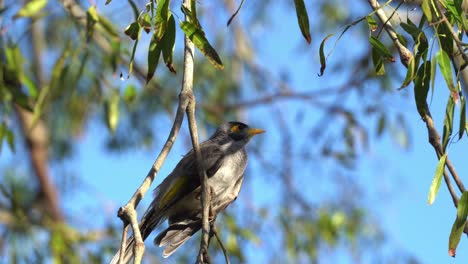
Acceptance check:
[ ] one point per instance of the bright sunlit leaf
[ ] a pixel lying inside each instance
(112, 111)
(161, 18)
(197, 36)
(31, 8)
(435, 185)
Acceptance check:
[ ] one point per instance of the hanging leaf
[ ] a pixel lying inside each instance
(448, 122)
(154, 53)
(161, 18)
(435, 185)
(446, 69)
(426, 7)
(136, 13)
(421, 87)
(459, 225)
(145, 22)
(381, 49)
(303, 19)
(378, 61)
(130, 93)
(112, 111)
(410, 73)
(461, 129)
(132, 57)
(31, 8)
(235, 13)
(133, 30)
(168, 44)
(197, 36)
(323, 59)
(371, 23)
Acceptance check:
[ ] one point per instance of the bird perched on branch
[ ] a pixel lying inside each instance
(177, 198)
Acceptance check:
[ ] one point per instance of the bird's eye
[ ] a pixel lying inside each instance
(235, 128)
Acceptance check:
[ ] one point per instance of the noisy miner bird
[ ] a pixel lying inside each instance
(177, 198)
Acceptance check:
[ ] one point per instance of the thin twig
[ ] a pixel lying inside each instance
(214, 232)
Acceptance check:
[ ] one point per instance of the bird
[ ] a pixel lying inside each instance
(177, 198)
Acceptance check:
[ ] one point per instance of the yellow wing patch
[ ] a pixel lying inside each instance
(173, 190)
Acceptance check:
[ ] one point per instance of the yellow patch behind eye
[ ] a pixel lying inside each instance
(173, 190)
(235, 128)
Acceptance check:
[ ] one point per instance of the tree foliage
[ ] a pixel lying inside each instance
(67, 67)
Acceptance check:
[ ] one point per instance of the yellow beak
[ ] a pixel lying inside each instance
(255, 131)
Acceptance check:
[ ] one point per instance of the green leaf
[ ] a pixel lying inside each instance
(161, 18)
(448, 122)
(426, 7)
(112, 111)
(133, 30)
(411, 29)
(378, 61)
(421, 87)
(91, 19)
(197, 36)
(446, 69)
(445, 38)
(130, 94)
(31, 8)
(108, 2)
(410, 73)
(323, 59)
(153, 56)
(10, 139)
(145, 22)
(303, 19)
(435, 185)
(168, 44)
(108, 26)
(136, 13)
(235, 13)
(132, 57)
(371, 23)
(7, 134)
(459, 224)
(381, 124)
(383, 51)
(461, 129)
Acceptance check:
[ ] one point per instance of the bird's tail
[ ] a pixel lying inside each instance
(150, 221)
(177, 234)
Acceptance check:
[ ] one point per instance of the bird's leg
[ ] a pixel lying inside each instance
(212, 216)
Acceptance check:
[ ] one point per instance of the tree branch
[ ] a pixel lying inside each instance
(433, 134)
(405, 54)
